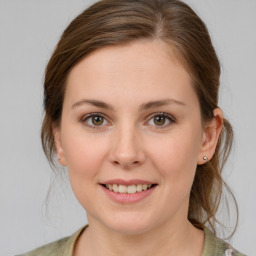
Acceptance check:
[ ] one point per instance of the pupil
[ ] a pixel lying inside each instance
(97, 120)
(159, 120)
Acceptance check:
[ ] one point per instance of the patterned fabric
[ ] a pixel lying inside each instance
(213, 246)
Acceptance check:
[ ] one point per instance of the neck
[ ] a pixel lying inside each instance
(180, 239)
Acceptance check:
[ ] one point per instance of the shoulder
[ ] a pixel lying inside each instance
(48, 249)
(215, 246)
(62, 247)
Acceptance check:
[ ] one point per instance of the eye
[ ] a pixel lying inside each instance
(94, 120)
(161, 120)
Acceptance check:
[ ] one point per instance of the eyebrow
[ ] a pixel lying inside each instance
(96, 103)
(144, 106)
(159, 103)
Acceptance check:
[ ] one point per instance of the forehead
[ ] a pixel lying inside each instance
(136, 55)
(150, 67)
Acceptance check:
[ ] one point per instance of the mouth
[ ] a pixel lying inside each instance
(130, 189)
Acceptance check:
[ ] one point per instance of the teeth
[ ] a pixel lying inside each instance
(139, 188)
(122, 189)
(115, 188)
(144, 187)
(131, 189)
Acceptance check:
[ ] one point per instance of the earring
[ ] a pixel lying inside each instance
(205, 158)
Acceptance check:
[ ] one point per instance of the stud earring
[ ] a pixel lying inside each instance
(205, 158)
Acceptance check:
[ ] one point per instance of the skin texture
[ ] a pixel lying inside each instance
(129, 144)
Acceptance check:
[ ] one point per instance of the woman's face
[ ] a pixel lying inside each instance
(131, 120)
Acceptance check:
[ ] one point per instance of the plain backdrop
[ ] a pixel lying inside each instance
(29, 31)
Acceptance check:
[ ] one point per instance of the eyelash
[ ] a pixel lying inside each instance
(170, 119)
(87, 117)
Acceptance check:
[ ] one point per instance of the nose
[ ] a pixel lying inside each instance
(127, 148)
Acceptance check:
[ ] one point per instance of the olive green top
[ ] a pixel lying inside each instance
(213, 246)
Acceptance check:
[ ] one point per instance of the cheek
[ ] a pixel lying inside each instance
(84, 158)
(176, 158)
(82, 151)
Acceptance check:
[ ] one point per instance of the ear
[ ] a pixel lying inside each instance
(58, 145)
(211, 135)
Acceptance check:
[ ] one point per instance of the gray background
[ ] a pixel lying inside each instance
(29, 30)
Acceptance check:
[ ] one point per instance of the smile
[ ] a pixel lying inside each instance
(128, 191)
(131, 189)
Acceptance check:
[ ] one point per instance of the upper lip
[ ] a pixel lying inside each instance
(127, 182)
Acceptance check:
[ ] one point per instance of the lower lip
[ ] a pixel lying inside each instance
(128, 198)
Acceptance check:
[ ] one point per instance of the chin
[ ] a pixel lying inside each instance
(129, 225)
(130, 229)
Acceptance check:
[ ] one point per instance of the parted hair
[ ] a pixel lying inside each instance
(116, 22)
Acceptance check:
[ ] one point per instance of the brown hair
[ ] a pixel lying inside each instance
(115, 22)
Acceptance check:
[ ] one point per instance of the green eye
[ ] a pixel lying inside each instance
(159, 120)
(97, 120)
(94, 120)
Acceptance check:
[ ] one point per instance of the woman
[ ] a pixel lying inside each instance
(131, 109)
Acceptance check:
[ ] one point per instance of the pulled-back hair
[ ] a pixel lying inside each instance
(116, 22)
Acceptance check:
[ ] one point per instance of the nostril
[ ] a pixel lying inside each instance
(131, 163)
